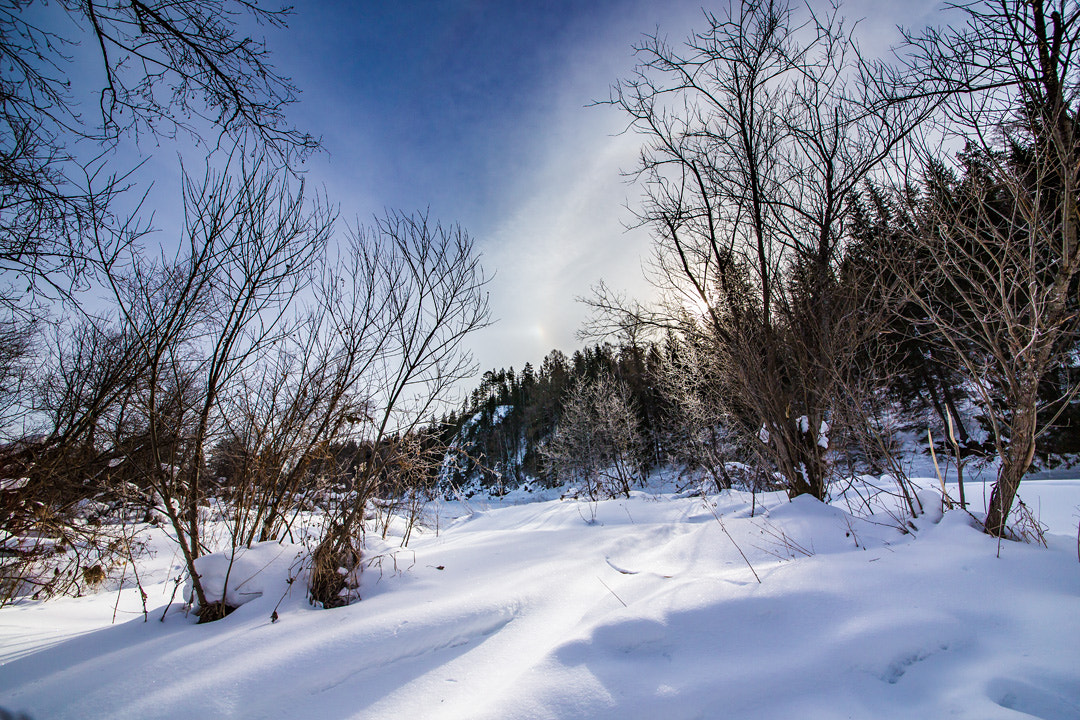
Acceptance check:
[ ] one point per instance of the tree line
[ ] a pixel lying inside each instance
(808, 202)
(840, 240)
(269, 362)
(839, 243)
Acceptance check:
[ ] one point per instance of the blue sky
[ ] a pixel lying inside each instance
(426, 101)
(479, 110)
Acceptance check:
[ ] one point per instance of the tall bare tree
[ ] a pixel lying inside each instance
(200, 320)
(427, 287)
(598, 443)
(755, 141)
(1000, 232)
(160, 67)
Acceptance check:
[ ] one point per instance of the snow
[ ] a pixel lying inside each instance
(501, 413)
(250, 573)
(823, 435)
(8, 484)
(640, 607)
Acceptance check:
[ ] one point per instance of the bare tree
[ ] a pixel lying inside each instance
(999, 237)
(426, 284)
(163, 67)
(755, 143)
(308, 398)
(697, 438)
(598, 443)
(200, 320)
(17, 350)
(62, 488)
(210, 365)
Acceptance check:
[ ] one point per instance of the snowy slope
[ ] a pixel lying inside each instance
(635, 608)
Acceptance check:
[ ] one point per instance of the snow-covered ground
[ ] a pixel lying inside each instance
(642, 608)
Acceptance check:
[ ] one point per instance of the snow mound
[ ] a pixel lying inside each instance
(267, 568)
(729, 605)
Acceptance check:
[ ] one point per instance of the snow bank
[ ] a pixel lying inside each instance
(267, 568)
(645, 607)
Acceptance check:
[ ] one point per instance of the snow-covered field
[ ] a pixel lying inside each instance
(642, 608)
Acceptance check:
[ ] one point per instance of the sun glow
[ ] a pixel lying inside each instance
(695, 306)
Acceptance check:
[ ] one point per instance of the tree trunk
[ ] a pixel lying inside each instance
(1016, 461)
(800, 460)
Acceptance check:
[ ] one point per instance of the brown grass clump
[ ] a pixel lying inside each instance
(213, 611)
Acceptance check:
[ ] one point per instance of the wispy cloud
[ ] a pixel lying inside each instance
(480, 112)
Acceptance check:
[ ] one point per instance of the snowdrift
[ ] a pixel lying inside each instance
(638, 608)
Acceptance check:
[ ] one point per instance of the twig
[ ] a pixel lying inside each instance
(933, 456)
(959, 460)
(119, 590)
(745, 559)
(289, 583)
(779, 536)
(176, 586)
(612, 592)
(138, 584)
